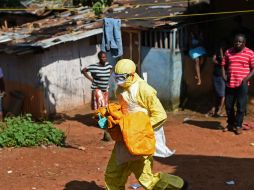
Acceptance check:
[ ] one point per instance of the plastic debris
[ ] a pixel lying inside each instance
(103, 121)
(9, 172)
(82, 148)
(231, 182)
(186, 119)
(135, 186)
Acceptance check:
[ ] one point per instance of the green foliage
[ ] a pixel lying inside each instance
(98, 7)
(21, 131)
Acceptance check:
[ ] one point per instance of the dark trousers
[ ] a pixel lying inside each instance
(239, 96)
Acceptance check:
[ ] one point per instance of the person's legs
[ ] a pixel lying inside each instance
(197, 69)
(202, 60)
(241, 100)
(220, 105)
(116, 175)
(106, 98)
(214, 100)
(229, 103)
(211, 112)
(93, 100)
(99, 99)
(219, 85)
(142, 170)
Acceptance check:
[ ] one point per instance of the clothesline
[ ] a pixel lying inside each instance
(189, 15)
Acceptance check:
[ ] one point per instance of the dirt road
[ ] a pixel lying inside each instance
(205, 156)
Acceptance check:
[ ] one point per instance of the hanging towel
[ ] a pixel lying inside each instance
(112, 39)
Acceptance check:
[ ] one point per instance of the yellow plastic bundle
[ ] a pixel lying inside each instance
(102, 110)
(138, 133)
(114, 114)
(134, 129)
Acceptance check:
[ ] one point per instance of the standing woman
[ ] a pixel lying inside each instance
(197, 53)
(218, 82)
(100, 74)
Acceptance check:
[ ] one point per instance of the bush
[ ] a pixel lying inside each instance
(21, 131)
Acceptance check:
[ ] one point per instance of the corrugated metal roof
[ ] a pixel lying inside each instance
(67, 38)
(149, 13)
(78, 23)
(60, 28)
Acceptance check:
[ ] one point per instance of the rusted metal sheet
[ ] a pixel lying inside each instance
(147, 13)
(70, 25)
(34, 99)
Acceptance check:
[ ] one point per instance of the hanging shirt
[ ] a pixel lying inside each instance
(112, 39)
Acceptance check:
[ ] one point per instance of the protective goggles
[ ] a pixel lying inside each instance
(121, 78)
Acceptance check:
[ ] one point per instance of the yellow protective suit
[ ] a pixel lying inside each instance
(134, 96)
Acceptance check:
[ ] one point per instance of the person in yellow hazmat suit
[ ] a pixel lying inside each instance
(135, 95)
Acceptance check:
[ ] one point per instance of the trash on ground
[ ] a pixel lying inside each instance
(82, 148)
(251, 144)
(43, 146)
(186, 119)
(9, 172)
(231, 182)
(248, 126)
(135, 186)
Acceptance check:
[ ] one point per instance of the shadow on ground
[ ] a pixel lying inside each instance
(212, 172)
(214, 125)
(86, 119)
(82, 185)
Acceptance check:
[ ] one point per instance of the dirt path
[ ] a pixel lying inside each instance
(205, 156)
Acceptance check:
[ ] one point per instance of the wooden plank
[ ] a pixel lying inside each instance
(155, 40)
(146, 38)
(170, 34)
(161, 42)
(166, 40)
(151, 39)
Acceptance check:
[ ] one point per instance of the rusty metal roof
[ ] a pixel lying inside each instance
(77, 23)
(70, 25)
(145, 14)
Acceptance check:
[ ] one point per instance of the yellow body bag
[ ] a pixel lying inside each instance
(137, 133)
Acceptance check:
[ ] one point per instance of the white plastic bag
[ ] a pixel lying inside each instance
(161, 149)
